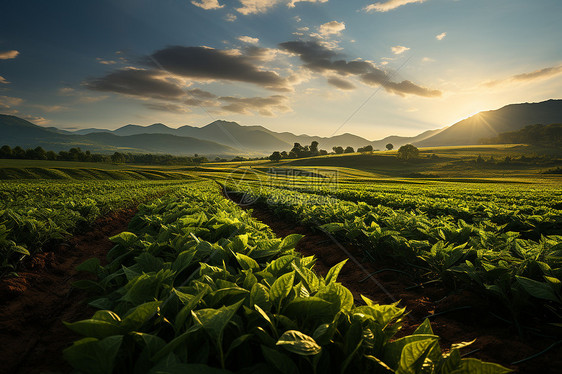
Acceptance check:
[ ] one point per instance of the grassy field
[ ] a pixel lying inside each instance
(452, 164)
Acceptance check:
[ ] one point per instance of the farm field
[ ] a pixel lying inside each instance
(479, 258)
(281, 187)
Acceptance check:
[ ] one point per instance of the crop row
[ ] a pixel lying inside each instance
(482, 256)
(35, 214)
(199, 286)
(529, 211)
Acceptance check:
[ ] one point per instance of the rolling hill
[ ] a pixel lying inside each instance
(491, 123)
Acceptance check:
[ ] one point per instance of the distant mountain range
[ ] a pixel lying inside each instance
(223, 138)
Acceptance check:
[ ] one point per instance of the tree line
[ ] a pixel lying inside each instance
(77, 155)
(405, 152)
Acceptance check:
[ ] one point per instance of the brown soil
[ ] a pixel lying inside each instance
(33, 305)
(496, 341)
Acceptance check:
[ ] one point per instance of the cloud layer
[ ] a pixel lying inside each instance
(320, 59)
(389, 5)
(544, 73)
(137, 82)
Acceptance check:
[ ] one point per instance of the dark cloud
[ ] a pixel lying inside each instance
(201, 94)
(137, 82)
(407, 87)
(156, 84)
(266, 106)
(342, 84)
(166, 107)
(315, 56)
(319, 58)
(208, 63)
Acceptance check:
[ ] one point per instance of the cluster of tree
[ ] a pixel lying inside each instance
(542, 135)
(76, 154)
(340, 150)
(522, 159)
(299, 151)
(408, 152)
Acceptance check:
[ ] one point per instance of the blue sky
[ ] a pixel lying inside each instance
(322, 67)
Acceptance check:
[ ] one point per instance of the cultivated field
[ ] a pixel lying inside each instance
(327, 264)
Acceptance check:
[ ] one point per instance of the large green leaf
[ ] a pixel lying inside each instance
(290, 241)
(139, 315)
(259, 295)
(278, 265)
(312, 307)
(393, 350)
(125, 239)
(93, 356)
(338, 295)
(281, 288)
(299, 343)
(279, 360)
(537, 289)
(214, 321)
(334, 271)
(424, 328)
(308, 278)
(96, 328)
(91, 265)
(246, 262)
(414, 354)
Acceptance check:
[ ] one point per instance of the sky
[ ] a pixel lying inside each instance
(318, 67)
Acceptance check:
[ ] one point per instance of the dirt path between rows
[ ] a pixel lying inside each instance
(496, 341)
(33, 305)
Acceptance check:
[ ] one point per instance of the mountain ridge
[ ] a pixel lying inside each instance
(223, 137)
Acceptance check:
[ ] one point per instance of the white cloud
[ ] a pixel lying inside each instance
(293, 2)
(428, 59)
(389, 5)
(3, 80)
(230, 17)
(441, 36)
(8, 55)
(248, 39)
(399, 49)
(262, 6)
(256, 6)
(331, 28)
(105, 62)
(207, 4)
